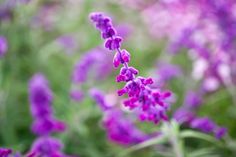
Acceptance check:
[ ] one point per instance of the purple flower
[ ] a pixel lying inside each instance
(150, 102)
(3, 46)
(183, 115)
(167, 71)
(220, 132)
(99, 97)
(77, 95)
(5, 152)
(47, 146)
(204, 124)
(121, 130)
(68, 43)
(40, 96)
(95, 60)
(192, 100)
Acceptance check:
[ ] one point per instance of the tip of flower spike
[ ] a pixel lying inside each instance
(94, 16)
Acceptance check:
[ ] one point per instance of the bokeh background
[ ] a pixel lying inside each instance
(52, 36)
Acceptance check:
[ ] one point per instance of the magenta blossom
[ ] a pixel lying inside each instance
(150, 102)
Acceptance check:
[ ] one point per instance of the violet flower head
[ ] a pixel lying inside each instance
(76, 95)
(167, 71)
(68, 43)
(204, 124)
(94, 60)
(100, 99)
(184, 116)
(150, 102)
(121, 130)
(192, 100)
(47, 146)
(3, 46)
(5, 152)
(40, 96)
(220, 132)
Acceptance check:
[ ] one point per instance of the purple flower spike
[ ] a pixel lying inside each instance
(99, 97)
(192, 100)
(40, 96)
(204, 124)
(3, 46)
(220, 132)
(47, 146)
(121, 130)
(150, 102)
(41, 107)
(5, 152)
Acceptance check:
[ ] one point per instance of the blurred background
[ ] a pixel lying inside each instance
(187, 46)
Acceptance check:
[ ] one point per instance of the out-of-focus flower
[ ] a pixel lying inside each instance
(151, 102)
(5, 152)
(204, 124)
(76, 95)
(167, 71)
(122, 130)
(41, 106)
(119, 128)
(44, 124)
(68, 43)
(94, 61)
(3, 46)
(192, 100)
(47, 146)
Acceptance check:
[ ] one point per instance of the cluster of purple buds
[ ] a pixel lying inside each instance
(95, 62)
(186, 115)
(41, 98)
(150, 102)
(5, 152)
(120, 129)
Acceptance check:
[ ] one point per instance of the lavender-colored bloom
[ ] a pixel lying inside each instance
(220, 132)
(121, 130)
(99, 97)
(47, 146)
(151, 102)
(5, 152)
(167, 71)
(204, 124)
(192, 100)
(77, 95)
(94, 60)
(68, 43)
(40, 96)
(184, 116)
(3, 46)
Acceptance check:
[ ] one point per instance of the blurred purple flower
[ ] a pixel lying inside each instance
(220, 132)
(122, 130)
(184, 116)
(68, 43)
(95, 60)
(5, 152)
(3, 46)
(151, 102)
(192, 100)
(99, 97)
(204, 124)
(167, 71)
(40, 96)
(76, 95)
(46, 146)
